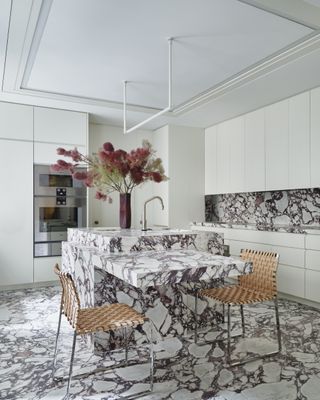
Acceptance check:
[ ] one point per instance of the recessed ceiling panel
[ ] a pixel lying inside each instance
(88, 47)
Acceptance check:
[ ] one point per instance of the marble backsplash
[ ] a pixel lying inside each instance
(286, 207)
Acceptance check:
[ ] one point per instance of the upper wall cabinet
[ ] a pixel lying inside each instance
(315, 138)
(236, 155)
(255, 176)
(16, 121)
(277, 145)
(211, 160)
(299, 141)
(273, 148)
(59, 126)
(229, 156)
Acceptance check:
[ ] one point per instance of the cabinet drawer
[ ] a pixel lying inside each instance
(236, 247)
(313, 285)
(313, 259)
(313, 242)
(269, 238)
(291, 280)
(43, 269)
(290, 256)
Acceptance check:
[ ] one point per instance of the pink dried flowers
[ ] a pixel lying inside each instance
(113, 170)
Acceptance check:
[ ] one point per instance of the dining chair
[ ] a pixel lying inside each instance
(257, 287)
(108, 318)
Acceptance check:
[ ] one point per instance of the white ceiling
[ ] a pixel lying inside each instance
(229, 57)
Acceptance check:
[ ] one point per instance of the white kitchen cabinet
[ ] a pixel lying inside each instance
(211, 173)
(315, 137)
(299, 141)
(230, 156)
(60, 126)
(16, 212)
(291, 280)
(313, 242)
(223, 157)
(16, 121)
(313, 285)
(43, 269)
(236, 155)
(46, 153)
(255, 176)
(313, 260)
(277, 145)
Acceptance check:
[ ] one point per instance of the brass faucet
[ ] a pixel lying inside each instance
(144, 218)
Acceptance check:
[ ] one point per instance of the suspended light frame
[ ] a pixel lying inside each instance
(158, 114)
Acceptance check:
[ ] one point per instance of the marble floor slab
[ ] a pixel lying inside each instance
(184, 370)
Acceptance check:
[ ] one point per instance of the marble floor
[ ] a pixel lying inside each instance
(184, 370)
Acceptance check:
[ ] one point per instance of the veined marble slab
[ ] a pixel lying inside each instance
(159, 268)
(155, 272)
(130, 240)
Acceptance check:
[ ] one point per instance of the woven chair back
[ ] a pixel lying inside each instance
(70, 299)
(264, 275)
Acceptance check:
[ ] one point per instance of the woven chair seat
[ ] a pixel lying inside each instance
(107, 318)
(236, 295)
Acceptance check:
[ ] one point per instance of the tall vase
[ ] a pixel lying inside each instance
(125, 210)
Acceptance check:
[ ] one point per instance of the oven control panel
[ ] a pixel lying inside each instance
(61, 196)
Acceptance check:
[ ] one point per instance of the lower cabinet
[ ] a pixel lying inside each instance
(43, 269)
(291, 280)
(16, 212)
(313, 285)
(299, 266)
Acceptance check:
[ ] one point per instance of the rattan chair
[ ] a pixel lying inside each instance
(106, 318)
(259, 286)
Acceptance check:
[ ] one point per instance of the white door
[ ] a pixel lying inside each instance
(16, 212)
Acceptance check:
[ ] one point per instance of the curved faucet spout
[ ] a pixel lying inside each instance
(144, 222)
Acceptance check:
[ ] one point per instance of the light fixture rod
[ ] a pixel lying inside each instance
(168, 108)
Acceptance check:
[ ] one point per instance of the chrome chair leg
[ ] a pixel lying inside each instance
(242, 321)
(278, 323)
(196, 317)
(151, 359)
(223, 313)
(71, 363)
(56, 343)
(126, 344)
(229, 334)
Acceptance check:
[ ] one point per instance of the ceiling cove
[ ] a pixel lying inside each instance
(81, 51)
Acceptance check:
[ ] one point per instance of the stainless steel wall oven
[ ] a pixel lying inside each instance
(60, 202)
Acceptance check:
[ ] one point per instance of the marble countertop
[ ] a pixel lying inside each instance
(302, 229)
(114, 240)
(154, 268)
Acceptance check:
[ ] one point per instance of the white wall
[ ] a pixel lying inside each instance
(182, 152)
(108, 214)
(186, 171)
(160, 141)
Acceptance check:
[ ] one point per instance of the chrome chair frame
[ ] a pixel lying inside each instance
(126, 341)
(248, 359)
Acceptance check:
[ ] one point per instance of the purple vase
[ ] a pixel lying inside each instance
(125, 210)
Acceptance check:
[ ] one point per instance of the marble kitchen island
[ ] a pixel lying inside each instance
(156, 272)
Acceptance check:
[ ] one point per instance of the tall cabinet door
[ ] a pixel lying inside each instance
(236, 160)
(255, 179)
(277, 146)
(299, 141)
(223, 157)
(16, 215)
(315, 138)
(211, 174)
